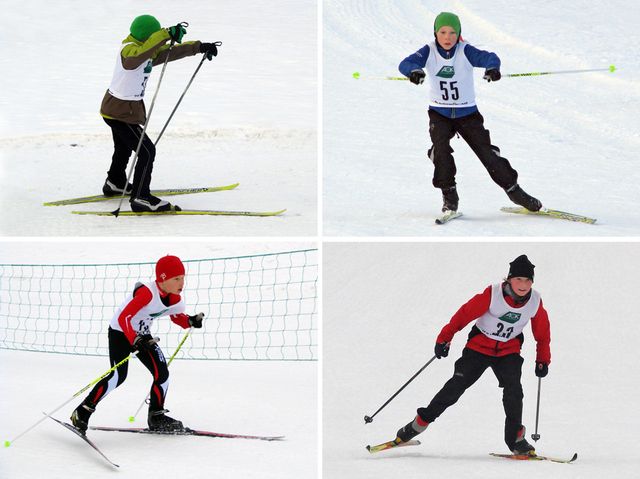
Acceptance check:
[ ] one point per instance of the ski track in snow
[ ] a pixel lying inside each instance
(573, 138)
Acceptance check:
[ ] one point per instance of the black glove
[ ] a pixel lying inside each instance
(442, 350)
(144, 342)
(417, 77)
(196, 321)
(542, 369)
(211, 49)
(492, 74)
(177, 32)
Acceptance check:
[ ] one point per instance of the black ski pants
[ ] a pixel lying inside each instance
(125, 141)
(468, 369)
(471, 129)
(154, 361)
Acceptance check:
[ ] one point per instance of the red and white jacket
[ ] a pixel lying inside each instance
(147, 302)
(499, 341)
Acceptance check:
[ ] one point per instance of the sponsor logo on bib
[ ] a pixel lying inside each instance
(510, 317)
(446, 72)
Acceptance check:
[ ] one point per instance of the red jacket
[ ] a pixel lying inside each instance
(141, 297)
(476, 307)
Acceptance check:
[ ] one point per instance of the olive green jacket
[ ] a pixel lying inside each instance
(132, 56)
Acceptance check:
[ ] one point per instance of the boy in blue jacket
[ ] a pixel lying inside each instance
(449, 64)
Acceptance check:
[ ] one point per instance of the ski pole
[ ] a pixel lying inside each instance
(368, 419)
(146, 123)
(536, 436)
(217, 44)
(611, 69)
(8, 443)
(357, 76)
(133, 418)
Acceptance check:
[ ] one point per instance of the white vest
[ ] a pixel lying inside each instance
(142, 321)
(450, 81)
(504, 322)
(129, 84)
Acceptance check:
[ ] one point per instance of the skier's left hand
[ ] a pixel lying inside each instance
(492, 74)
(542, 369)
(196, 321)
(211, 49)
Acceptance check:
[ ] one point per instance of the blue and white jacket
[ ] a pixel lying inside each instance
(477, 58)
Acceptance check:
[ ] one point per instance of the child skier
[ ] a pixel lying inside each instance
(124, 111)
(501, 313)
(130, 330)
(449, 63)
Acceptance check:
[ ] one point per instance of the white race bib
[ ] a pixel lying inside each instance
(450, 80)
(504, 322)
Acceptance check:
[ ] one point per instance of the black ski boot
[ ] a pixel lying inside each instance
(111, 188)
(159, 421)
(411, 430)
(449, 199)
(522, 447)
(520, 197)
(149, 204)
(80, 417)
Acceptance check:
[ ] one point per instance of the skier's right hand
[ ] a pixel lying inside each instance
(442, 350)
(143, 342)
(417, 76)
(177, 32)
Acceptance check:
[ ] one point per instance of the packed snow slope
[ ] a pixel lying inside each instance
(249, 117)
(217, 396)
(384, 306)
(573, 138)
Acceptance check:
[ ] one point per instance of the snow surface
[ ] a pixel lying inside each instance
(250, 117)
(243, 397)
(573, 138)
(278, 398)
(384, 305)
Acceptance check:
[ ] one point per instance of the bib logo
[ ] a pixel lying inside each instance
(155, 315)
(148, 68)
(510, 317)
(446, 72)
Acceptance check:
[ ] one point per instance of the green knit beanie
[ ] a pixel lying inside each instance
(449, 20)
(144, 26)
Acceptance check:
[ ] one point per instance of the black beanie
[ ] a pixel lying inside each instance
(521, 267)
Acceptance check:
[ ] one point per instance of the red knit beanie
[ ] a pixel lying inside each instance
(168, 267)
